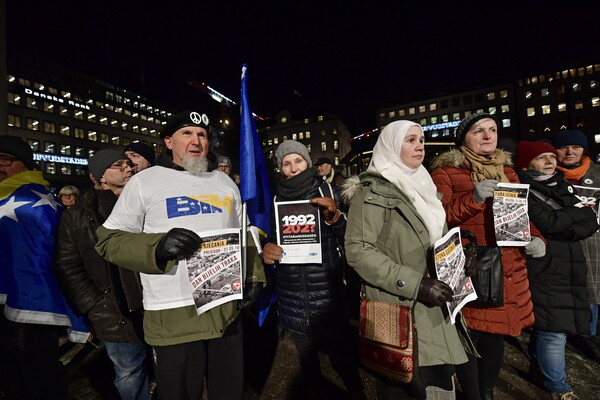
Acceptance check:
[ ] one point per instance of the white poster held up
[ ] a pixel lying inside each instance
(511, 220)
(298, 232)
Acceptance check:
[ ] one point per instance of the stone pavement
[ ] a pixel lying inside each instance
(273, 373)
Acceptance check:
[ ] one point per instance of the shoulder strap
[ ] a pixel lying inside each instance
(328, 189)
(551, 202)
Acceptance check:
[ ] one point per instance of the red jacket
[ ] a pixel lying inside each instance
(453, 180)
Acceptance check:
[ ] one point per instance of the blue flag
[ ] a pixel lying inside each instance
(254, 181)
(29, 216)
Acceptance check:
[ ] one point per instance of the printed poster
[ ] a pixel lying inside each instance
(215, 269)
(511, 220)
(589, 196)
(298, 232)
(450, 269)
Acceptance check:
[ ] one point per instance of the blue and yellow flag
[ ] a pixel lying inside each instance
(29, 216)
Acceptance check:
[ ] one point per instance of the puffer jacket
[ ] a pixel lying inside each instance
(388, 244)
(106, 294)
(558, 280)
(453, 180)
(310, 297)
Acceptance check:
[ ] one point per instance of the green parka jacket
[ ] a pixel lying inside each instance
(387, 243)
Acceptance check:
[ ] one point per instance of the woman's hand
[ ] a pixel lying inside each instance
(328, 209)
(484, 189)
(271, 253)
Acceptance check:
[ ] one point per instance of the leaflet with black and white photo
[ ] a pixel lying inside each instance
(215, 269)
(589, 196)
(450, 269)
(511, 220)
(298, 232)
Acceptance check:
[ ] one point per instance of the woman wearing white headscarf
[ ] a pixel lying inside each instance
(395, 217)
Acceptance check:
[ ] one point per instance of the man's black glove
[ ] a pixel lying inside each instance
(471, 267)
(177, 242)
(434, 291)
(251, 293)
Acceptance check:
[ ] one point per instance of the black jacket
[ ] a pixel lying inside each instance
(310, 297)
(558, 280)
(110, 297)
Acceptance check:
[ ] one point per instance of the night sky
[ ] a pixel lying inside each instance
(344, 57)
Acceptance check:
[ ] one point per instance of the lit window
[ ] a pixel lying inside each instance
(14, 98)
(544, 92)
(445, 118)
(269, 142)
(65, 94)
(92, 135)
(336, 145)
(14, 120)
(306, 120)
(435, 134)
(104, 137)
(411, 110)
(579, 105)
(300, 136)
(423, 121)
(110, 95)
(382, 115)
(308, 134)
(91, 117)
(491, 96)
(24, 82)
(336, 161)
(506, 123)
(48, 107)
(503, 94)
(530, 111)
(51, 168)
(593, 84)
(34, 144)
(597, 138)
(576, 87)
(33, 124)
(433, 107)
(49, 147)
(392, 114)
(285, 138)
(65, 149)
(422, 108)
(467, 113)
(323, 146)
(504, 108)
(433, 120)
(309, 147)
(124, 125)
(79, 133)
(294, 136)
(126, 141)
(49, 127)
(562, 107)
(275, 140)
(528, 94)
(65, 169)
(136, 129)
(546, 109)
(323, 132)
(10, 78)
(320, 118)
(79, 151)
(402, 112)
(32, 103)
(446, 132)
(79, 114)
(595, 101)
(63, 110)
(456, 116)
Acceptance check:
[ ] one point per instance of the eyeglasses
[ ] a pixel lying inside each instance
(122, 166)
(68, 195)
(7, 161)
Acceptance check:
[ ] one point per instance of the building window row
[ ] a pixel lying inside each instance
(444, 104)
(562, 107)
(565, 74)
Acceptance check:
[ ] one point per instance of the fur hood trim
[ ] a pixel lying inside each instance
(455, 158)
(348, 189)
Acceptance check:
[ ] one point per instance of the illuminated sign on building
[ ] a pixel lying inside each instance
(443, 125)
(59, 159)
(57, 99)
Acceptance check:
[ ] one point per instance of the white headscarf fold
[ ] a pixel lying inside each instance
(416, 184)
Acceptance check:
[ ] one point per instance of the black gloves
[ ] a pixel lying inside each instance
(434, 291)
(251, 292)
(177, 242)
(471, 267)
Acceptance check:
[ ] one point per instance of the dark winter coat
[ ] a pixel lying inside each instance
(453, 179)
(103, 292)
(558, 280)
(310, 297)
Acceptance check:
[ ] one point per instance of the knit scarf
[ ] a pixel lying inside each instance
(576, 173)
(483, 168)
(297, 186)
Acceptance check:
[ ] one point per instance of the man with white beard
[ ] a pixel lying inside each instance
(152, 226)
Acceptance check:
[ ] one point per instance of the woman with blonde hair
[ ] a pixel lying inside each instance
(68, 196)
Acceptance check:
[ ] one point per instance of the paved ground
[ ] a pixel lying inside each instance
(273, 373)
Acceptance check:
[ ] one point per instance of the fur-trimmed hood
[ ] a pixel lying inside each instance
(456, 158)
(351, 186)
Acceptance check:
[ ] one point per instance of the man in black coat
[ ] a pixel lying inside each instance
(110, 297)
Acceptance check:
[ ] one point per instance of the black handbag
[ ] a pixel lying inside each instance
(489, 280)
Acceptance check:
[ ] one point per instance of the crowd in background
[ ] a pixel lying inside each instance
(110, 262)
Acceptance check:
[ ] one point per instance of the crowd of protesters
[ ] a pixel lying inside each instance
(109, 269)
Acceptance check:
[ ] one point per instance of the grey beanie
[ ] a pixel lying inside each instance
(467, 123)
(101, 160)
(292, 147)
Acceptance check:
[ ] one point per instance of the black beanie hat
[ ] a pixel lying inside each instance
(143, 150)
(467, 123)
(18, 148)
(102, 160)
(183, 119)
(570, 137)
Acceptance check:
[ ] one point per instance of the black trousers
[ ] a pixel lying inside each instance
(341, 348)
(29, 361)
(482, 373)
(181, 368)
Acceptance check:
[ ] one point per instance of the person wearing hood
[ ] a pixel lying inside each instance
(579, 169)
(394, 219)
(467, 177)
(558, 279)
(311, 297)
